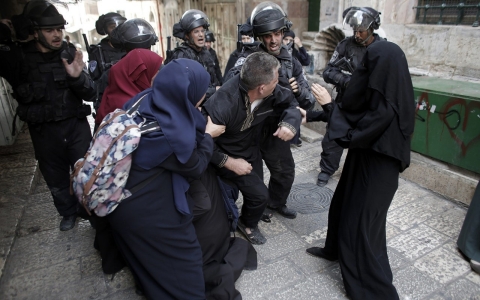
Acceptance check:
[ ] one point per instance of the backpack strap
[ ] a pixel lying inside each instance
(135, 106)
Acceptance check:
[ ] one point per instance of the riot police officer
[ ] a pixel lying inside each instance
(269, 22)
(209, 39)
(348, 54)
(134, 34)
(103, 56)
(50, 85)
(192, 28)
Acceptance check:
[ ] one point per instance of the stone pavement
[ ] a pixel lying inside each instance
(37, 261)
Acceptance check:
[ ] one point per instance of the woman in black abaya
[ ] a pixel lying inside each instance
(153, 228)
(375, 122)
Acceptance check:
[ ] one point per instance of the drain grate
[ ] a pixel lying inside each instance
(309, 198)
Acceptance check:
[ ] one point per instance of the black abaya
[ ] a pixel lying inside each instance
(375, 121)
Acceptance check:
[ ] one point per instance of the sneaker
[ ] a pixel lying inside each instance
(323, 179)
(255, 236)
(68, 222)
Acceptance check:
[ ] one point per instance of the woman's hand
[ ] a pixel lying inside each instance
(213, 129)
(321, 94)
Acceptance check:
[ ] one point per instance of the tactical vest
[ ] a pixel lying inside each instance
(44, 95)
(203, 57)
(102, 57)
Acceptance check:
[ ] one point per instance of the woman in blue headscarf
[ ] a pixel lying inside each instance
(153, 227)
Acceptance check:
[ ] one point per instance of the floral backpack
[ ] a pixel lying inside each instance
(99, 178)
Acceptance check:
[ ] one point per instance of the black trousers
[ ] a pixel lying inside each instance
(254, 191)
(279, 160)
(356, 223)
(58, 145)
(330, 157)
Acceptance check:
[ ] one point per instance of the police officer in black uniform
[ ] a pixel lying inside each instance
(49, 86)
(348, 54)
(192, 28)
(103, 56)
(269, 21)
(209, 39)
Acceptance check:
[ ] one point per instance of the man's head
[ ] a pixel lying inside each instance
(192, 28)
(133, 34)
(259, 74)
(363, 21)
(108, 22)
(269, 22)
(246, 39)
(246, 31)
(288, 37)
(47, 24)
(209, 39)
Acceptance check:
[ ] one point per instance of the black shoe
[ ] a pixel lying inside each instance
(285, 211)
(322, 179)
(68, 222)
(320, 252)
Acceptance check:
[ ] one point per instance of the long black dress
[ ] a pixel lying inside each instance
(159, 243)
(375, 121)
(224, 257)
(469, 239)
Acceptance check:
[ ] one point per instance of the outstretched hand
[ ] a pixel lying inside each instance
(321, 94)
(76, 67)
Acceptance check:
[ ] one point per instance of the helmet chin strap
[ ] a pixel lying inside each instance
(43, 41)
(368, 38)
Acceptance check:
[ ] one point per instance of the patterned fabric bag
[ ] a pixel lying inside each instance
(99, 178)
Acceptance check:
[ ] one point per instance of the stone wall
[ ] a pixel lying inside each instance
(449, 52)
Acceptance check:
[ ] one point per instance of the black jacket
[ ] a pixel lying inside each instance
(230, 106)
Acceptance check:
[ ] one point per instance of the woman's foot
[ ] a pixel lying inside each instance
(475, 265)
(320, 252)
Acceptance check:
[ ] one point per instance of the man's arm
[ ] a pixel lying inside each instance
(333, 74)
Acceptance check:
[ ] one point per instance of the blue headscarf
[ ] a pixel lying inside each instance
(171, 101)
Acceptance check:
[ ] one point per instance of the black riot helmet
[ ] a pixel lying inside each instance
(108, 20)
(190, 20)
(209, 37)
(132, 34)
(43, 14)
(268, 17)
(362, 18)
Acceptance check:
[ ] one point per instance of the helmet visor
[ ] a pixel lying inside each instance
(265, 6)
(357, 20)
